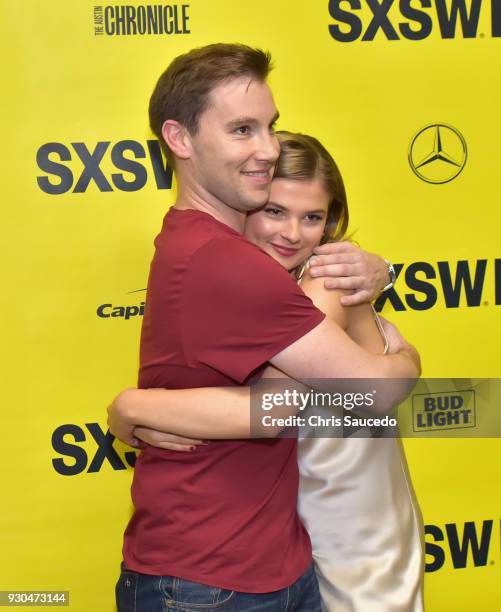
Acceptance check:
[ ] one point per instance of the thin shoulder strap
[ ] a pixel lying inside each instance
(381, 330)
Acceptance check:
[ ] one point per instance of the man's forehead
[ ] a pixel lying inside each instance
(230, 96)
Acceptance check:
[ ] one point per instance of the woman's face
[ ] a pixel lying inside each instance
(293, 221)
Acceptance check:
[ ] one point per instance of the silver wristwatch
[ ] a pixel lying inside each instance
(391, 273)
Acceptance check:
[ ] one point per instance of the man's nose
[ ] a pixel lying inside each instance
(268, 148)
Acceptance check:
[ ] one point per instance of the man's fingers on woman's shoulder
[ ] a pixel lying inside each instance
(330, 258)
(359, 297)
(334, 247)
(343, 282)
(336, 270)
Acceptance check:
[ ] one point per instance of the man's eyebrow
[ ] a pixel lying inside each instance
(241, 121)
(249, 121)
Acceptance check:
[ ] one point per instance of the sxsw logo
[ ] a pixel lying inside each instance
(411, 19)
(77, 456)
(72, 168)
(439, 411)
(422, 285)
(467, 545)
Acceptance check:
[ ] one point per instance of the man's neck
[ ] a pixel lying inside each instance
(187, 200)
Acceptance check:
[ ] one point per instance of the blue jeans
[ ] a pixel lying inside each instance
(143, 593)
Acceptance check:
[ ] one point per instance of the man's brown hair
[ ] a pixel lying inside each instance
(182, 92)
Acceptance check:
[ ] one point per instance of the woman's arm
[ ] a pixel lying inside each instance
(209, 412)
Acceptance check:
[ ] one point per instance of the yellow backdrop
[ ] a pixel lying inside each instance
(84, 194)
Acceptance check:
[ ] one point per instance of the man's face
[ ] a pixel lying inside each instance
(235, 148)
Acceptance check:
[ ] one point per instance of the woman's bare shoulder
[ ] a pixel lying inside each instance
(326, 300)
(357, 321)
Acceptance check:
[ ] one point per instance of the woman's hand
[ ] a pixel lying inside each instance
(124, 420)
(164, 440)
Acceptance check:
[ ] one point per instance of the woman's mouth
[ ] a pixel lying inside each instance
(284, 251)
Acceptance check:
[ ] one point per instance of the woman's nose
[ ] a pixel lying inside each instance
(291, 231)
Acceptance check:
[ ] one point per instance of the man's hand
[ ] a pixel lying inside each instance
(349, 267)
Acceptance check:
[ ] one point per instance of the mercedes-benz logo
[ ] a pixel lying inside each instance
(437, 153)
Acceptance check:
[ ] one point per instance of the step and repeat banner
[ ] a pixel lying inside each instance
(406, 96)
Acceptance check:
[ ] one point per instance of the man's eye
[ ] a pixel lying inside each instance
(242, 130)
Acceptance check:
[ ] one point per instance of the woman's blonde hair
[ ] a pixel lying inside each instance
(303, 158)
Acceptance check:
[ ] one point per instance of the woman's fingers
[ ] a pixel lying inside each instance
(167, 441)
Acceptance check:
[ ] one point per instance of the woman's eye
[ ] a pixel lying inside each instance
(274, 212)
(314, 218)
(242, 130)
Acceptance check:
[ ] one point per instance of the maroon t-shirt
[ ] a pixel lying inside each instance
(218, 308)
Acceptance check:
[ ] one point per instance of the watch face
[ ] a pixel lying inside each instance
(393, 276)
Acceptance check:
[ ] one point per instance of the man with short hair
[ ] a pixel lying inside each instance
(219, 528)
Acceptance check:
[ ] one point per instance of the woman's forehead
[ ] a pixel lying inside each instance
(293, 193)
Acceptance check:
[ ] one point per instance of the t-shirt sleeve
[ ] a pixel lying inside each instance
(240, 308)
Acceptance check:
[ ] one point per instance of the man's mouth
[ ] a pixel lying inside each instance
(259, 176)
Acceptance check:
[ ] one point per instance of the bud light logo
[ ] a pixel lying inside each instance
(365, 20)
(439, 411)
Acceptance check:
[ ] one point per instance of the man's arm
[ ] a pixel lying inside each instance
(328, 352)
(224, 412)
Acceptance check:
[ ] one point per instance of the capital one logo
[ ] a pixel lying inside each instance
(411, 19)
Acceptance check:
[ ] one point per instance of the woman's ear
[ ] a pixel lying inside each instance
(177, 138)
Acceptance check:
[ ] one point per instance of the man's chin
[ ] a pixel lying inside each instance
(254, 203)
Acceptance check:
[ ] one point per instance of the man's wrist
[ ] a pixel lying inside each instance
(391, 275)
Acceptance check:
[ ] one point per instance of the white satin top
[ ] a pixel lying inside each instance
(357, 504)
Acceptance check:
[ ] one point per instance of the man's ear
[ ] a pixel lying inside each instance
(177, 138)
